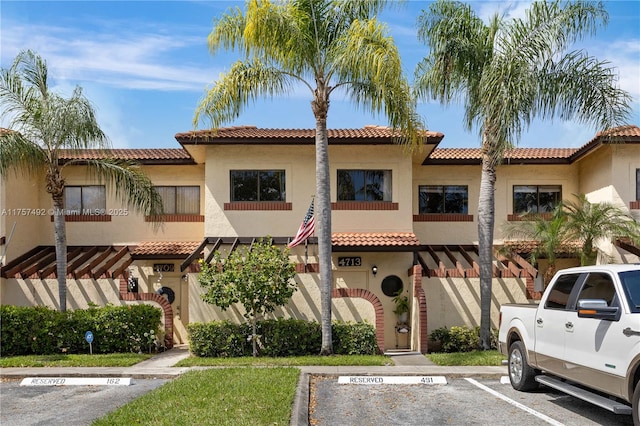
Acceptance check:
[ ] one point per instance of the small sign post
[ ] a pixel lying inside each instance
(88, 336)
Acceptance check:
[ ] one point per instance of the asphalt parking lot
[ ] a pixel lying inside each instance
(65, 405)
(461, 401)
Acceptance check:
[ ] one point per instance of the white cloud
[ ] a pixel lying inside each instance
(144, 61)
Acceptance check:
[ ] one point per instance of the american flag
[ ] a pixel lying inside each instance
(307, 228)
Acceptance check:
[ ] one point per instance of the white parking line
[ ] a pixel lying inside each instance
(515, 403)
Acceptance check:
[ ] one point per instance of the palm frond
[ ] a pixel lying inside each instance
(245, 82)
(20, 155)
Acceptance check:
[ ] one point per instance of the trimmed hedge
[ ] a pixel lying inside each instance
(41, 330)
(461, 339)
(279, 338)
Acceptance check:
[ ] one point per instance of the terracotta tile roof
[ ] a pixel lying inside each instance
(527, 247)
(144, 156)
(164, 248)
(474, 155)
(626, 134)
(366, 239)
(254, 135)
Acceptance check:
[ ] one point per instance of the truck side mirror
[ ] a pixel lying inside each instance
(598, 309)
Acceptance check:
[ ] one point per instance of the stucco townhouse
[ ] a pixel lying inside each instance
(401, 222)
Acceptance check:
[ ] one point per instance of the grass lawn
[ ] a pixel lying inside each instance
(467, 358)
(295, 361)
(73, 360)
(228, 396)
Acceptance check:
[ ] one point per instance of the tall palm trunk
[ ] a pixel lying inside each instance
(320, 107)
(55, 187)
(486, 223)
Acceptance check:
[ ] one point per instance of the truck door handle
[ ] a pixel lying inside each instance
(629, 332)
(569, 325)
(539, 321)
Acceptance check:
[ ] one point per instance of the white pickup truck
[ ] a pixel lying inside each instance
(583, 338)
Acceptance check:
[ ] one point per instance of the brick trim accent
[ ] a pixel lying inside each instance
(86, 218)
(518, 217)
(364, 205)
(418, 292)
(443, 217)
(310, 267)
(258, 205)
(151, 297)
(377, 306)
(634, 205)
(175, 218)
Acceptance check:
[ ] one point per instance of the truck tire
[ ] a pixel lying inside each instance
(635, 405)
(521, 375)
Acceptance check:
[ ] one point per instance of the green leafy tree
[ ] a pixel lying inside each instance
(550, 234)
(259, 277)
(41, 125)
(589, 222)
(323, 46)
(508, 72)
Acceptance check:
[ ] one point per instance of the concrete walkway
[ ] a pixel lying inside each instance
(162, 366)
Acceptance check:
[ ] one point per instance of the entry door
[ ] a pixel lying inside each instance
(180, 308)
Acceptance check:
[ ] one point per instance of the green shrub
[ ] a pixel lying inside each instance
(279, 338)
(461, 339)
(354, 338)
(219, 339)
(41, 330)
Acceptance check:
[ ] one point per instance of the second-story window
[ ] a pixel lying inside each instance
(443, 199)
(637, 184)
(85, 200)
(536, 198)
(364, 185)
(258, 185)
(180, 199)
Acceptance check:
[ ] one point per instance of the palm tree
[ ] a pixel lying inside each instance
(589, 222)
(41, 125)
(508, 72)
(550, 235)
(322, 45)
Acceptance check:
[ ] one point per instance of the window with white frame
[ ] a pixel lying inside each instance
(443, 199)
(180, 199)
(536, 198)
(86, 199)
(364, 185)
(258, 185)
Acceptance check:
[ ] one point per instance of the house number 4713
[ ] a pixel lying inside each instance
(350, 261)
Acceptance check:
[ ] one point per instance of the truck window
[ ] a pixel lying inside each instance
(631, 285)
(560, 292)
(598, 285)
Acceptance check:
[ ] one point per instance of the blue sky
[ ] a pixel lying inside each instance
(145, 65)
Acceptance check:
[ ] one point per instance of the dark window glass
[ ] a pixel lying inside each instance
(258, 185)
(598, 285)
(637, 184)
(89, 199)
(443, 199)
(364, 185)
(559, 294)
(536, 198)
(631, 286)
(180, 199)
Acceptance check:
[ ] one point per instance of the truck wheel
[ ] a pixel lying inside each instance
(635, 404)
(521, 375)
